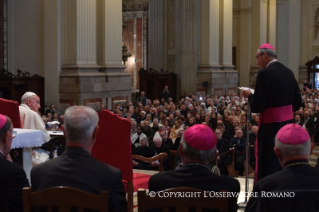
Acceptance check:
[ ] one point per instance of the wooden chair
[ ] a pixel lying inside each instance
(11, 109)
(181, 204)
(160, 157)
(113, 147)
(173, 154)
(64, 198)
(231, 168)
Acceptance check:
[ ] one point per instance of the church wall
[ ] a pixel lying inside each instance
(25, 36)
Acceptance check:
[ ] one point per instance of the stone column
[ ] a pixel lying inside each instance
(289, 27)
(187, 39)
(209, 68)
(156, 35)
(226, 40)
(92, 69)
(259, 23)
(226, 34)
(244, 42)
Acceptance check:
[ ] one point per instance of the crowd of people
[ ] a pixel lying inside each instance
(195, 126)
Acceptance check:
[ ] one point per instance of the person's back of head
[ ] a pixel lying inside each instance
(80, 123)
(292, 142)
(198, 144)
(5, 132)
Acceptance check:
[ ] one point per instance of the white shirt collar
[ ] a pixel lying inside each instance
(26, 106)
(274, 60)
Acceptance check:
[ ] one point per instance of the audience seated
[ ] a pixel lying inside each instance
(136, 137)
(142, 150)
(12, 176)
(155, 149)
(239, 143)
(224, 158)
(166, 140)
(292, 147)
(197, 150)
(75, 167)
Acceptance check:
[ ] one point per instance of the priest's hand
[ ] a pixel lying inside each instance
(245, 93)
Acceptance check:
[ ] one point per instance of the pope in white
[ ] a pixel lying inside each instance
(30, 119)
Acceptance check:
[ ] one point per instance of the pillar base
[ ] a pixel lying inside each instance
(92, 84)
(219, 81)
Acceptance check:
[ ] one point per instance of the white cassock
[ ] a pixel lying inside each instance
(31, 120)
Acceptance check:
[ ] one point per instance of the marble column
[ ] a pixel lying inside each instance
(244, 42)
(187, 39)
(226, 34)
(259, 23)
(289, 27)
(226, 40)
(156, 35)
(92, 69)
(209, 68)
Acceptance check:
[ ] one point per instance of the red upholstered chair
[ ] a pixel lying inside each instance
(11, 109)
(113, 147)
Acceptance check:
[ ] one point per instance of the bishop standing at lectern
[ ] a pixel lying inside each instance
(276, 96)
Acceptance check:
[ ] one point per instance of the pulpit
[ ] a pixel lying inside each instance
(153, 83)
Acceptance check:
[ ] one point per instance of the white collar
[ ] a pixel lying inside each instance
(274, 60)
(26, 106)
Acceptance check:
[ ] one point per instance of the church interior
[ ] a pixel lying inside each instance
(93, 52)
(75, 46)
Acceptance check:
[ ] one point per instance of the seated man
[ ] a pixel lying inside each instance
(239, 144)
(12, 176)
(30, 119)
(136, 137)
(197, 149)
(166, 140)
(157, 148)
(141, 150)
(75, 167)
(292, 147)
(223, 148)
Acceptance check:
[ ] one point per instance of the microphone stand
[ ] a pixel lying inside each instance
(243, 205)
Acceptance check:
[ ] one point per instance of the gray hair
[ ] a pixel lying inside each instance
(288, 150)
(5, 127)
(269, 52)
(195, 154)
(157, 138)
(79, 123)
(25, 100)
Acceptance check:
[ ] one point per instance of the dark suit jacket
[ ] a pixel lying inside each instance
(76, 168)
(163, 148)
(195, 176)
(239, 148)
(293, 178)
(12, 180)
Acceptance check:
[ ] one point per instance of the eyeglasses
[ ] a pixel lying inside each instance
(14, 133)
(258, 56)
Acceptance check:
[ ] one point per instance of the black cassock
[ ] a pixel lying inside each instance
(295, 188)
(276, 87)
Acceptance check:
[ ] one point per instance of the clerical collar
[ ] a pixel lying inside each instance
(295, 163)
(26, 106)
(271, 62)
